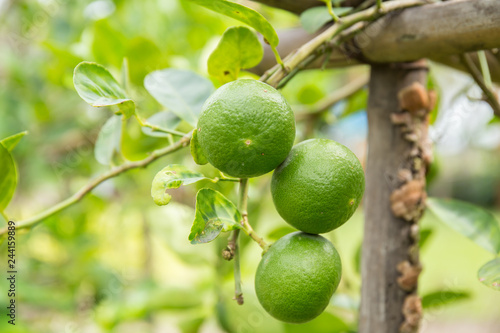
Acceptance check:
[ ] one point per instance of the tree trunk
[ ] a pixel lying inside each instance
(398, 152)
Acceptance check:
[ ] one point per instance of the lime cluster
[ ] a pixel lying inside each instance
(247, 129)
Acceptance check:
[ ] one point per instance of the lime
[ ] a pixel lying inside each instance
(297, 277)
(246, 128)
(318, 186)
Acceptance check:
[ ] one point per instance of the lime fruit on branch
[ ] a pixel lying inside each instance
(297, 277)
(318, 186)
(246, 128)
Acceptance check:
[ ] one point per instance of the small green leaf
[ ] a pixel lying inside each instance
(214, 214)
(98, 87)
(11, 141)
(172, 176)
(489, 274)
(108, 44)
(163, 119)
(425, 234)
(316, 17)
(108, 140)
(357, 102)
(181, 91)
(8, 177)
(432, 85)
(470, 220)
(357, 258)
(442, 298)
(238, 49)
(243, 14)
(196, 151)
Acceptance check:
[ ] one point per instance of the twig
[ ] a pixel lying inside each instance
(183, 142)
(238, 292)
(330, 10)
(156, 128)
(277, 73)
(247, 228)
(338, 95)
(483, 62)
(491, 97)
(233, 242)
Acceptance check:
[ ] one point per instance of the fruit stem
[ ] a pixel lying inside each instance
(238, 293)
(247, 228)
(234, 241)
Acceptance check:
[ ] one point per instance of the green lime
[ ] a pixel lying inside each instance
(246, 128)
(297, 277)
(318, 186)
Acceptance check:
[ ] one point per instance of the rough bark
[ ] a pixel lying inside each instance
(397, 154)
(439, 32)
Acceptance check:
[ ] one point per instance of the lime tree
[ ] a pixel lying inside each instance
(246, 128)
(297, 277)
(319, 186)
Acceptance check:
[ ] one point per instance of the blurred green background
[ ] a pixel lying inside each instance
(118, 263)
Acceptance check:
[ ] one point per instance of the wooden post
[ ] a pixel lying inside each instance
(398, 153)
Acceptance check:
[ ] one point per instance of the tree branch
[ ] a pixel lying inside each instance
(491, 97)
(330, 100)
(183, 142)
(439, 32)
(292, 61)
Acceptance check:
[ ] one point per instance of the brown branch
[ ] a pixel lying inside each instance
(437, 31)
(294, 60)
(491, 97)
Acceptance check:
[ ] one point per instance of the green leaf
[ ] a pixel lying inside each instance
(443, 297)
(238, 48)
(196, 151)
(11, 141)
(108, 44)
(424, 237)
(489, 274)
(214, 214)
(181, 91)
(163, 119)
(8, 177)
(357, 258)
(243, 14)
(109, 140)
(357, 102)
(172, 176)
(98, 87)
(470, 220)
(432, 85)
(316, 17)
